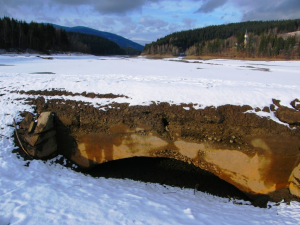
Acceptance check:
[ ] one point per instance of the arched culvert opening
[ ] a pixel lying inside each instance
(167, 171)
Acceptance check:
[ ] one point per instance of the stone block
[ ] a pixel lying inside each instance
(25, 124)
(43, 150)
(35, 139)
(44, 123)
(294, 186)
(31, 127)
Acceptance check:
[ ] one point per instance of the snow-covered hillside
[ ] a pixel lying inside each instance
(46, 193)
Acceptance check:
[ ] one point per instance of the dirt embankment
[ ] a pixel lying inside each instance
(256, 155)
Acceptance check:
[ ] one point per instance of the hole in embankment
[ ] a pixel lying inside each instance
(169, 172)
(165, 122)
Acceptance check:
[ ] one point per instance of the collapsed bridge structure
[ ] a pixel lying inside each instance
(255, 154)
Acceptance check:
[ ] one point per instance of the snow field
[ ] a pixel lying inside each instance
(46, 193)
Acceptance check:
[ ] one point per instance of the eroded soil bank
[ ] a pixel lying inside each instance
(256, 155)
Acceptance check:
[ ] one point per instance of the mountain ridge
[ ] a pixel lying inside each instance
(121, 41)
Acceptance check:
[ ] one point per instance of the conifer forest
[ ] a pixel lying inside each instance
(20, 36)
(265, 39)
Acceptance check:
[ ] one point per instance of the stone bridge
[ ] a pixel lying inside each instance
(255, 154)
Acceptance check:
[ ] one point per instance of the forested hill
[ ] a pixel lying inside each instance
(46, 38)
(121, 41)
(93, 44)
(202, 40)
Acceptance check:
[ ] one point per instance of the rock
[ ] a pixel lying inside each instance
(288, 115)
(245, 108)
(42, 143)
(32, 127)
(257, 109)
(45, 122)
(35, 139)
(276, 102)
(272, 108)
(294, 186)
(266, 109)
(296, 104)
(25, 124)
(43, 150)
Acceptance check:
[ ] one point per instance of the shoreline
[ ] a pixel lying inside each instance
(208, 57)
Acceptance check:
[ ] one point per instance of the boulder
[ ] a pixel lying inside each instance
(288, 115)
(266, 109)
(276, 102)
(39, 138)
(44, 123)
(28, 119)
(43, 150)
(272, 108)
(32, 126)
(35, 139)
(296, 104)
(295, 182)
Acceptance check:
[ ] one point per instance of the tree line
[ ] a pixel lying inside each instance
(264, 40)
(20, 35)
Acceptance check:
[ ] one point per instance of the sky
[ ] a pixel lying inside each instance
(144, 21)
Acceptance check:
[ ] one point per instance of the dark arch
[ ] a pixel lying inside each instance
(167, 171)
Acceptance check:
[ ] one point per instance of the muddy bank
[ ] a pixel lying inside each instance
(256, 155)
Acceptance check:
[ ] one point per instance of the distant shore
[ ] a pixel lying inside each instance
(210, 57)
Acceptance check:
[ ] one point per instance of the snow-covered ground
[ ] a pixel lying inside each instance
(46, 193)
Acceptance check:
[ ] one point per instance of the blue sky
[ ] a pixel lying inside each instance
(144, 21)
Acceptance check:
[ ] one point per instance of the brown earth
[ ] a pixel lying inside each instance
(255, 154)
(55, 92)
